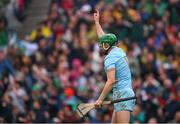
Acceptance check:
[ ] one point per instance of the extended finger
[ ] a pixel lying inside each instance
(97, 11)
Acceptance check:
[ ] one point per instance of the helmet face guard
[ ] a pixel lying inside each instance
(103, 50)
(107, 39)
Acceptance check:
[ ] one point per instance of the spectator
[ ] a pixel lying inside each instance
(3, 32)
(6, 66)
(177, 117)
(152, 121)
(137, 115)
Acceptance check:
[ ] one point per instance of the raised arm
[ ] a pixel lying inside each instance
(99, 29)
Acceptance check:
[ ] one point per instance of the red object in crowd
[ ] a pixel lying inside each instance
(21, 4)
(178, 99)
(172, 36)
(69, 92)
(59, 30)
(162, 101)
(67, 4)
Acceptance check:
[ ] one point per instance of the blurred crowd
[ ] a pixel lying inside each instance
(14, 12)
(58, 65)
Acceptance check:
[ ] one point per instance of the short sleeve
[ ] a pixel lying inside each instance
(109, 63)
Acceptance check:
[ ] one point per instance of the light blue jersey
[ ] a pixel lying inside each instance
(122, 88)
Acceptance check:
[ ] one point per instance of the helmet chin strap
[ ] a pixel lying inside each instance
(105, 52)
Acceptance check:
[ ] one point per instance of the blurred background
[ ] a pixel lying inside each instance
(50, 60)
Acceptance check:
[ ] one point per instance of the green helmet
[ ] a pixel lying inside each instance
(108, 38)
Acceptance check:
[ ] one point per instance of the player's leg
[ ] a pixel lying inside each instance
(113, 118)
(122, 109)
(122, 116)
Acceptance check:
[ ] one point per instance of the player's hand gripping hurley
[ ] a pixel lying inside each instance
(84, 108)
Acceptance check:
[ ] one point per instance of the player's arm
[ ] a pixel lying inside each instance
(99, 29)
(108, 86)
